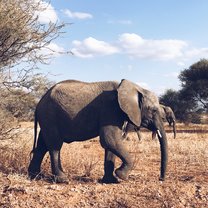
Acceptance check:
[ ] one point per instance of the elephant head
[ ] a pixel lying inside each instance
(143, 110)
(169, 116)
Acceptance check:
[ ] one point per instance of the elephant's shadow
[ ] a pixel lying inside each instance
(85, 179)
(52, 179)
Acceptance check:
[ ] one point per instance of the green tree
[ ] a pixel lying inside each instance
(170, 98)
(195, 84)
(192, 99)
(179, 106)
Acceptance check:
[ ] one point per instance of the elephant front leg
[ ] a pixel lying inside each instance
(57, 171)
(109, 168)
(111, 140)
(127, 164)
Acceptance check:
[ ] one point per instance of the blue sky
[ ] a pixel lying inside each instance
(146, 41)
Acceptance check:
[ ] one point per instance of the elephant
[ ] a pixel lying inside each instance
(167, 115)
(73, 110)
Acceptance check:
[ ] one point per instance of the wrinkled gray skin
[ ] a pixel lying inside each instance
(78, 111)
(166, 114)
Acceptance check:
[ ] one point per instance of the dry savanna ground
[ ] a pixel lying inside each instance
(186, 184)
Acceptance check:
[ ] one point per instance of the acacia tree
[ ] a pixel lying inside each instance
(170, 98)
(192, 98)
(195, 84)
(179, 105)
(22, 37)
(22, 40)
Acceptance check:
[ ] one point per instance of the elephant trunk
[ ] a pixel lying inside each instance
(163, 148)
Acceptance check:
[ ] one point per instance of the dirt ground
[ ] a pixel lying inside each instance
(186, 184)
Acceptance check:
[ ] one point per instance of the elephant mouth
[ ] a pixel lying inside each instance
(149, 124)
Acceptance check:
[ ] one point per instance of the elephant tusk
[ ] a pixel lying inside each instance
(159, 134)
(124, 129)
(138, 134)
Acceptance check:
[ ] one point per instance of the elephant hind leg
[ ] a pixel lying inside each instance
(57, 171)
(54, 143)
(38, 155)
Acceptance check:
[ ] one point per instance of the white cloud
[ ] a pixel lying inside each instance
(56, 48)
(132, 45)
(91, 47)
(52, 50)
(77, 15)
(135, 46)
(192, 55)
(48, 14)
(197, 52)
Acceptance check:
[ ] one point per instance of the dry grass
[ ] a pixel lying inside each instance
(186, 184)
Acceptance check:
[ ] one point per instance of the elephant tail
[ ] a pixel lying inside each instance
(35, 134)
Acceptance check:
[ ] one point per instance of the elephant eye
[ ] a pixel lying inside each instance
(154, 110)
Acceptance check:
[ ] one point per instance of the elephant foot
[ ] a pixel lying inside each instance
(122, 174)
(108, 180)
(60, 179)
(162, 179)
(34, 175)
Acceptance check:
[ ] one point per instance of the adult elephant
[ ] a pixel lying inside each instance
(77, 111)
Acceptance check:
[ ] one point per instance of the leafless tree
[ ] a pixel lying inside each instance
(22, 39)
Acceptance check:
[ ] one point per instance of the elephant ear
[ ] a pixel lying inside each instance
(163, 111)
(129, 99)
